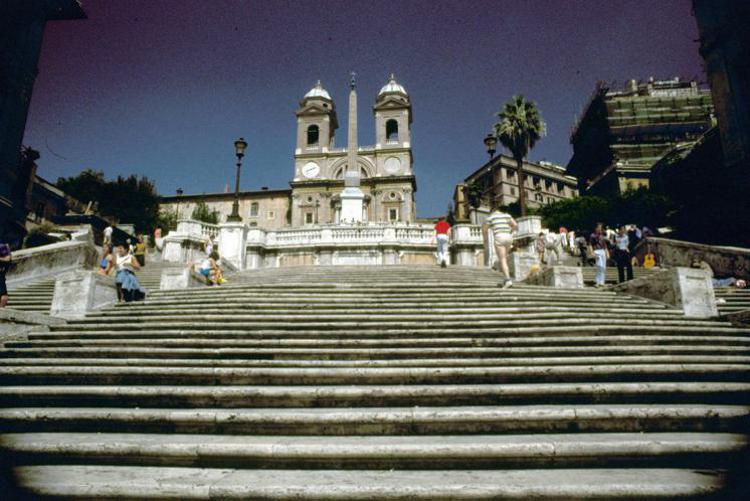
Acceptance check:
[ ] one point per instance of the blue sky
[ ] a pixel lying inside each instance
(163, 88)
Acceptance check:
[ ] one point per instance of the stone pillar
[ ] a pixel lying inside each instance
(352, 198)
(520, 265)
(567, 277)
(233, 243)
(180, 278)
(687, 288)
(79, 292)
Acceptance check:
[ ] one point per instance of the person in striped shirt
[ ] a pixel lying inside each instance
(502, 226)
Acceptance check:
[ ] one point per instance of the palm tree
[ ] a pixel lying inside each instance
(519, 128)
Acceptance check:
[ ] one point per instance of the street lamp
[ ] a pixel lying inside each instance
(179, 197)
(239, 150)
(490, 142)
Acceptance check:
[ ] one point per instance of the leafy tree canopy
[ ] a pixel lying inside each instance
(641, 207)
(125, 199)
(203, 213)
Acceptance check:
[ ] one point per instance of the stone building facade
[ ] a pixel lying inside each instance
(387, 177)
(22, 24)
(622, 133)
(497, 180)
(265, 208)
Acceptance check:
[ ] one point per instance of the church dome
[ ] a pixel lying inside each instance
(318, 91)
(392, 87)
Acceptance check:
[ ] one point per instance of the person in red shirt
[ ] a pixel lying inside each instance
(442, 229)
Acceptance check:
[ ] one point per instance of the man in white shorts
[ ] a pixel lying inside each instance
(502, 226)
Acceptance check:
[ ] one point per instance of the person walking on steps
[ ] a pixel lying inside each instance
(5, 259)
(442, 229)
(502, 226)
(622, 255)
(599, 246)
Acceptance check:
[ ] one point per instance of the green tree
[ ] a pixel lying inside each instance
(167, 221)
(519, 128)
(203, 213)
(128, 199)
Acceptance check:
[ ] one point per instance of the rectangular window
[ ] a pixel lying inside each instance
(254, 209)
(271, 215)
(308, 218)
(392, 214)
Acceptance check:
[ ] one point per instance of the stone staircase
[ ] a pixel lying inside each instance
(34, 296)
(37, 295)
(379, 383)
(734, 300)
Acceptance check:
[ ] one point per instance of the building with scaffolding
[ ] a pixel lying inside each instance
(621, 134)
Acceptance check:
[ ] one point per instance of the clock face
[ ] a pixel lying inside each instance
(310, 170)
(392, 165)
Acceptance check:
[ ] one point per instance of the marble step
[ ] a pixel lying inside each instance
(141, 483)
(379, 421)
(358, 342)
(581, 358)
(372, 395)
(103, 375)
(707, 350)
(379, 452)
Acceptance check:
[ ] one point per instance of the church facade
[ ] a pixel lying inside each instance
(386, 168)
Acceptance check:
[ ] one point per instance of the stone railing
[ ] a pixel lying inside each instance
(725, 261)
(51, 260)
(188, 241)
(367, 244)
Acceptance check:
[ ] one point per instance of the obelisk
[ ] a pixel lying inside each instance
(352, 198)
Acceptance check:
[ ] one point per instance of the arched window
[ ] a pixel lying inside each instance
(313, 134)
(391, 131)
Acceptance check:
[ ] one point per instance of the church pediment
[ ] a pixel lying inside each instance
(391, 102)
(313, 109)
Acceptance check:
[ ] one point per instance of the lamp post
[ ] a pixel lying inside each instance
(239, 150)
(179, 197)
(490, 142)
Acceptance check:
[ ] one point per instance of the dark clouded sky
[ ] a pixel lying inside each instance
(163, 87)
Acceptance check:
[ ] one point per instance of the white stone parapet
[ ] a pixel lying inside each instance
(79, 292)
(187, 242)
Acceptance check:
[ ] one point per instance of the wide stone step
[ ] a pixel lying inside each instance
(273, 344)
(621, 345)
(380, 452)
(735, 393)
(500, 326)
(383, 421)
(138, 483)
(371, 375)
(382, 309)
(583, 358)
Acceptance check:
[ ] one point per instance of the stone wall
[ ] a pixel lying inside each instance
(52, 259)
(725, 261)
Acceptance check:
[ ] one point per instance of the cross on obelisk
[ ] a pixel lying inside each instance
(352, 198)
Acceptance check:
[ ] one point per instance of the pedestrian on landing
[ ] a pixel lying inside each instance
(211, 270)
(158, 240)
(599, 247)
(582, 246)
(539, 245)
(502, 226)
(107, 262)
(108, 234)
(622, 255)
(128, 287)
(5, 259)
(442, 230)
(140, 250)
